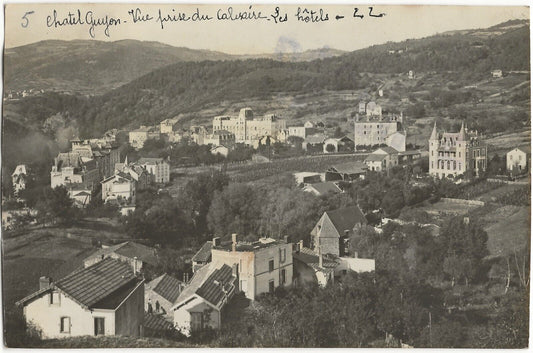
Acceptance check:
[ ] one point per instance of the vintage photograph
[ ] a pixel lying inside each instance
(276, 175)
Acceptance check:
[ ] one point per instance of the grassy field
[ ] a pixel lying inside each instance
(508, 228)
(53, 252)
(448, 209)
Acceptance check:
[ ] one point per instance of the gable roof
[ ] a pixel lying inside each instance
(131, 250)
(167, 286)
(375, 157)
(204, 254)
(310, 258)
(346, 218)
(356, 167)
(525, 149)
(386, 149)
(211, 282)
(103, 285)
(325, 188)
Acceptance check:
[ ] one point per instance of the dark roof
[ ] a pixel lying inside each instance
(346, 218)
(204, 254)
(103, 285)
(129, 249)
(157, 323)
(409, 153)
(310, 258)
(211, 282)
(356, 167)
(525, 149)
(217, 285)
(326, 187)
(167, 286)
(389, 149)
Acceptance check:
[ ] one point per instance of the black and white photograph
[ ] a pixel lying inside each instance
(293, 175)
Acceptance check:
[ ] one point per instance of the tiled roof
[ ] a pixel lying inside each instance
(211, 282)
(389, 150)
(217, 285)
(156, 323)
(204, 254)
(103, 285)
(375, 157)
(249, 246)
(167, 286)
(346, 218)
(310, 258)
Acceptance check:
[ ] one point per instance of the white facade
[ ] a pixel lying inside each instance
(19, 178)
(118, 187)
(65, 176)
(138, 137)
(248, 129)
(158, 167)
(185, 317)
(517, 159)
(260, 270)
(396, 140)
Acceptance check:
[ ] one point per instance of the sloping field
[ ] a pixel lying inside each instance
(508, 228)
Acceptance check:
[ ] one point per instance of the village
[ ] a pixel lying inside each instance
(120, 289)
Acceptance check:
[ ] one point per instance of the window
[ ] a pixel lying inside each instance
(54, 298)
(282, 255)
(271, 265)
(283, 277)
(64, 324)
(271, 286)
(99, 326)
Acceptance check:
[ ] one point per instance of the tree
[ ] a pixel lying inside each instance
(56, 206)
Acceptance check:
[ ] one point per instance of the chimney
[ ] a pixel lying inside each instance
(300, 245)
(320, 259)
(235, 270)
(44, 282)
(286, 239)
(234, 242)
(216, 241)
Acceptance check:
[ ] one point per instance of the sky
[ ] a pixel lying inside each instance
(400, 22)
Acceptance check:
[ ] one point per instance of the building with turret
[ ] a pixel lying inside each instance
(453, 154)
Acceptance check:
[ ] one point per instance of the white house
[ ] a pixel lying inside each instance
(396, 140)
(221, 150)
(19, 178)
(104, 299)
(519, 159)
(158, 167)
(81, 197)
(120, 186)
(382, 159)
(138, 137)
(263, 265)
(496, 73)
(200, 304)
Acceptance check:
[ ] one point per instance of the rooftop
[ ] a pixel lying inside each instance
(249, 246)
(103, 285)
(346, 218)
(204, 254)
(310, 258)
(167, 286)
(129, 249)
(325, 187)
(375, 157)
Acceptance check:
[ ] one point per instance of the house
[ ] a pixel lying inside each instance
(160, 294)
(341, 144)
(496, 73)
(105, 154)
(314, 143)
(81, 197)
(373, 109)
(198, 134)
(140, 174)
(248, 128)
(407, 157)
(221, 150)
(220, 138)
(396, 140)
(411, 74)
(302, 131)
(120, 186)
(382, 159)
(453, 154)
(519, 160)
(308, 177)
(158, 167)
(168, 126)
(106, 298)
(200, 304)
(203, 256)
(72, 168)
(137, 255)
(310, 267)
(262, 266)
(347, 171)
(19, 178)
(138, 137)
(333, 230)
(372, 130)
(325, 188)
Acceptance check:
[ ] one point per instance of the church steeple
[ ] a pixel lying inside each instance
(434, 133)
(462, 134)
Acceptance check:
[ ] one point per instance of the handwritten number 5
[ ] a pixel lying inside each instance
(25, 24)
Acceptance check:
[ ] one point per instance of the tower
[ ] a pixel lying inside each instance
(433, 151)
(461, 151)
